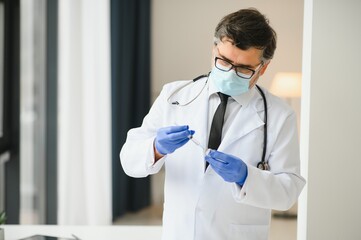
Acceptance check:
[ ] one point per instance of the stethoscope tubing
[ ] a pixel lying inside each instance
(263, 164)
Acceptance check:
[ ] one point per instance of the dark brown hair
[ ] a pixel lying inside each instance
(248, 28)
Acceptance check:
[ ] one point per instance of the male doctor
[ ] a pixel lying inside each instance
(221, 193)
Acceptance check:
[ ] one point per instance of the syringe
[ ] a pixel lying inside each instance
(196, 142)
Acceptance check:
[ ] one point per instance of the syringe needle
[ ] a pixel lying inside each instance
(196, 142)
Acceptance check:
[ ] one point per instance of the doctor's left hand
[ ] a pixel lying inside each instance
(230, 168)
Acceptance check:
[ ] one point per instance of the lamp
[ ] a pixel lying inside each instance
(287, 85)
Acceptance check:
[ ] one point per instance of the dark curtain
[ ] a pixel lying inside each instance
(51, 213)
(130, 69)
(12, 109)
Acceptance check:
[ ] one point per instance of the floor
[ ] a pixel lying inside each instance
(282, 228)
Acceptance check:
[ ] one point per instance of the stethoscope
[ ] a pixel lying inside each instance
(263, 164)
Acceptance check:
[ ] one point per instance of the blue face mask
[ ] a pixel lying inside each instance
(228, 82)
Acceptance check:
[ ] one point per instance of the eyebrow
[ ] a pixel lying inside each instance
(240, 65)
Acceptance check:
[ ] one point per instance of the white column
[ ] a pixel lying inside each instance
(84, 113)
(329, 207)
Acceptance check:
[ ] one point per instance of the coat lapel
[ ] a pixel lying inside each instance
(247, 120)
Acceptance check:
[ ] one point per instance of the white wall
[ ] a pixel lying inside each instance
(331, 116)
(182, 36)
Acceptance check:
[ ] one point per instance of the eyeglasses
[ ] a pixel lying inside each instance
(241, 72)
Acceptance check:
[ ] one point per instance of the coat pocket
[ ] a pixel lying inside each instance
(248, 232)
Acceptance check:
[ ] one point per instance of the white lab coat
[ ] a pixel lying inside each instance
(200, 205)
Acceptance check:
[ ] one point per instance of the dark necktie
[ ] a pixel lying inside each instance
(215, 135)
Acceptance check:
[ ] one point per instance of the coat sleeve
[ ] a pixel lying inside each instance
(280, 187)
(137, 154)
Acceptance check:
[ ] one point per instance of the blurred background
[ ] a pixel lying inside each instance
(76, 75)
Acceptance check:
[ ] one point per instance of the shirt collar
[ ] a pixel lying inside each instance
(242, 99)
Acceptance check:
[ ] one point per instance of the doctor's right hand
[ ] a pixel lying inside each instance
(169, 139)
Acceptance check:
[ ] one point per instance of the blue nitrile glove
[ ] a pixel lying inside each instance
(168, 139)
(230, 168)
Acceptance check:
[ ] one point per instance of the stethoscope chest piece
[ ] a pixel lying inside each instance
(263, 166)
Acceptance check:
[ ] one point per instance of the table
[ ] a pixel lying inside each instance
(116, 232)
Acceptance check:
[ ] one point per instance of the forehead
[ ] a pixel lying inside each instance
(251, 56)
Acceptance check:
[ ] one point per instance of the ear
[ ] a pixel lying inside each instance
(214, 49)
(264, 68)
(213, 55)
(260, 73)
